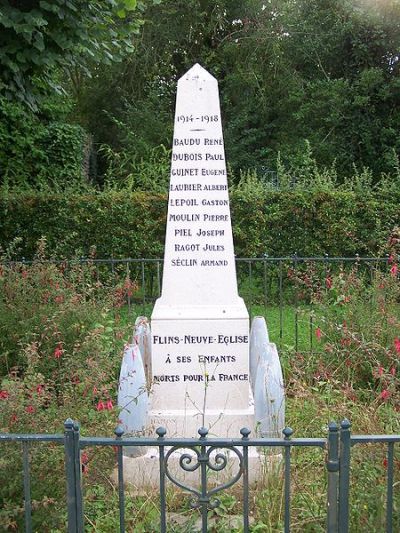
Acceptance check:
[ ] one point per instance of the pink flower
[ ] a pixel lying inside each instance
(58, 351)
(328, 282)
(380, 370)
(84, 462)
(109, 405)
(391, 258)
(393, 371)
(394, 269)
(397, 344)
(384, 395)
(30, 409)
(318, 333)
(4, 394)
(39, 389)
(100, 406)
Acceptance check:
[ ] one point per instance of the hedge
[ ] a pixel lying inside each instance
(121, 224)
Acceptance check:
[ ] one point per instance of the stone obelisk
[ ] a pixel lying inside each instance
(200, 325)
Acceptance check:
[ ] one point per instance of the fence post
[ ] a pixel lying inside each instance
(78, 479)
(344, 475)
(72, 467)
(69, 448)
(287, 432)
(332, 465)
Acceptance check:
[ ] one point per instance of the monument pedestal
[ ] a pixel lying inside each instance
(200, 370)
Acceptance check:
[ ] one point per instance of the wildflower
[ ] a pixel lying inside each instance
(58, 351)
(4, 394)
(318, 333)
(384, 395)
(84, 462)
(397, 344)
(393, 270)
(385, 462)
(328, 282)
(380, 370)
(109, 405)
(94, 391)
(30, 409)
(100, 406)
(393, 371)
(39, 389)
(391, 258)
(13, 419)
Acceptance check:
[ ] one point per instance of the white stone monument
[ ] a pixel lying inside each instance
(200, 325)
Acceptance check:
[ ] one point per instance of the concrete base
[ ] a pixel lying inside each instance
(141, 473)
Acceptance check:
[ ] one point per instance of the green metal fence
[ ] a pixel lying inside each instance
(269, 286)
(337, 448)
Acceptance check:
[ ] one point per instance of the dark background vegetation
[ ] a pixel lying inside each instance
(88, 89)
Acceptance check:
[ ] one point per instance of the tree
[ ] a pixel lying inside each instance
(37, 37)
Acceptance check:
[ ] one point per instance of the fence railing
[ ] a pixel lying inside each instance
(270, 286)
(337, 446)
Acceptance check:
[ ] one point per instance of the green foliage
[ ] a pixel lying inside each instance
(289, 73)
(38, 37)
(39, 152)
(128, 172)
(302, 220)
(60, 350)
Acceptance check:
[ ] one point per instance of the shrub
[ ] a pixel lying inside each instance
(61, 348)
(277, 223)
(357, 327)
(39, 152)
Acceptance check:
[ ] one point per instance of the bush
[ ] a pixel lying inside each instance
(357, 326)
(61, 349)
(277, 223)
(39, 151)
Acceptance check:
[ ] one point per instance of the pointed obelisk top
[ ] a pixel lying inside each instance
(197, 73)
(199, 262)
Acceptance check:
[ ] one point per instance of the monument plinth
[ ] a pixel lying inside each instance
(200, 325)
